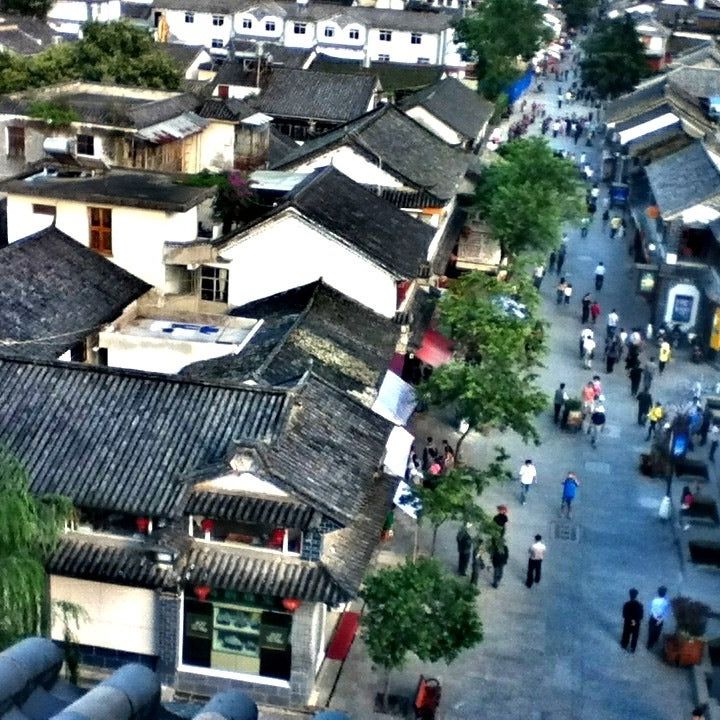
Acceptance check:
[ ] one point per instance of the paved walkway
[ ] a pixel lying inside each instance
(552, 652)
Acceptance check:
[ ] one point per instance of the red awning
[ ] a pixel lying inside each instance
(435, 350)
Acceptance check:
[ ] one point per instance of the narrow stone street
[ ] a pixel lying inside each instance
(552, 652)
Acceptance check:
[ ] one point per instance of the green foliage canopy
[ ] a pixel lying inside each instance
(29, 530)
(527, 195)
(578, 12)
(499, 35)
(614, 61)
(417, 608)
(34, 8)
(114, 52)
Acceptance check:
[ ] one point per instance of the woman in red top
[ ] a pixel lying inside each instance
(595, 311)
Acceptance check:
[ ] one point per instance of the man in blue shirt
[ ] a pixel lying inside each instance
(570, 485)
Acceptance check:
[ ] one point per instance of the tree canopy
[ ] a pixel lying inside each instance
(577, 12)
(114, 52)
(34, 8)
(418, 608)
(614, 60)
(29, 529)
(527, 195)
(498, 33)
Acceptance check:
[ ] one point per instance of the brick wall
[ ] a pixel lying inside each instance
(168, 629)
(312, 544)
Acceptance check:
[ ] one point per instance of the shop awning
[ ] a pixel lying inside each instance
(395, 400)
(436, 349)
(397, 451)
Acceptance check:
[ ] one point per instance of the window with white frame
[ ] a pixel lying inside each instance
(218, 20)
(386, 35)
(300, 28)
(270, 26)
(189, 17)
(247, 23)
(213, 284)
(415, 38)
(329, 32)
(217, 43)
(383, 58)
(354, 34)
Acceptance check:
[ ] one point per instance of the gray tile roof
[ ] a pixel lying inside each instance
(229, 109)
(281, 146)
(182, 55)
(400, 145)
(314, 327)
(56, 289)
(125, 188)
(113, 105)
(455, 104)
(697, 82)
(123, 440)
(683, 179)
(24, 35)
(645, 96)
(315, 95)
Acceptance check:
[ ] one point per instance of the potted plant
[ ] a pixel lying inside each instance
(572, 414)
(685, 647)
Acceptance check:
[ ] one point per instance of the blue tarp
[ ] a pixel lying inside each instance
(520, 86)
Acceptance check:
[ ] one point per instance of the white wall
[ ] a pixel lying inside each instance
(400, 48)
(217, 146)
(258, 26)
(349, 163)
(435, 126)
(199, 32)
(118, 617)
(292, 252)
(138, 236)
(77, 10)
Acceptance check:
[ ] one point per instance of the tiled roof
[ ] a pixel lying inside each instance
(229, 109)
(56, 291)
(455, 104)
(401, 146)
(280, 146)
(124, 440)
(683, 179)
(645, 96)
(245, 508)
(108, 560)
(315, 95)
(697, 82)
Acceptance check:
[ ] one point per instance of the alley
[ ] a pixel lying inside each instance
(552, 652)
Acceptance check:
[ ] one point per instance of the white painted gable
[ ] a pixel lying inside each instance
(243, 483)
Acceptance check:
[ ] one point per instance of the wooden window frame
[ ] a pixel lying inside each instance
(86, 140)
(100, 229)
(214, 275)
(15, 149)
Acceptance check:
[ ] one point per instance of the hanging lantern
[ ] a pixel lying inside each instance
(142, 524)
(202, 592)
(207, 525)
(291, 604)
(277, 537)
(653, 212)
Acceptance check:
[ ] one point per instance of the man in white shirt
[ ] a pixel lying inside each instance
(528, 476)
(588, 350)
(599, 276)
(536, 554)
(612, 322)
(659, 610)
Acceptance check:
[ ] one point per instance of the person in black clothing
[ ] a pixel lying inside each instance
(635, 375)
(478, 563)
(560, 260)
(644, 401)
(707, 419)
(464, 546)
(498, 557)
(501, 519)
(586, 303)
(429, 454)
(632, 617)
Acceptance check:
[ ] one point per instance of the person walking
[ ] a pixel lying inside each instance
(429, 454)
(501, 518)
(714, 440)
(560, 291)
(588, 351)
(561, 257)
(586, 302)
(635, 375)
(613, 319)
(536, 555)
(632, 614)
(595, 311)
(478, 563)
(538, 275)
(464, 547)
(615, 225)
(569, 490)
(528, 476)
(552, 260)
(499, 559)
(599, 275)
(649, 370)
(612, 354)
(597, 421)
(644, 402)
(659, 610)
(567, 293)
(655, 415)
(559, 400)
(664, 354)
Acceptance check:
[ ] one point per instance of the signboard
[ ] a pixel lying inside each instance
(682, 308)
(619, 194)
(406, 500)
(715, 333)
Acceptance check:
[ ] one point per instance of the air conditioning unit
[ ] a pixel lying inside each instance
(58, 145)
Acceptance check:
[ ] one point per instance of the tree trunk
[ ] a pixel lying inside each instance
(460, 441)
(434, 540)
(416, 540)
(386, 689)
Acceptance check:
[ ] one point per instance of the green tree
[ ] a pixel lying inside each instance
(527, 195)
(499, 35)
(118, 52)
(34, 8)
(614, 60)
(29, 529)
(578, 12)
(418, 608)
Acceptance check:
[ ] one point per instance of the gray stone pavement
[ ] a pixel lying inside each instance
(552, 652)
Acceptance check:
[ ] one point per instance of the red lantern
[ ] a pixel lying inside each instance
(291, 604)
(277, 537)
(202, 592)
(207, 525)
(142, 524)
